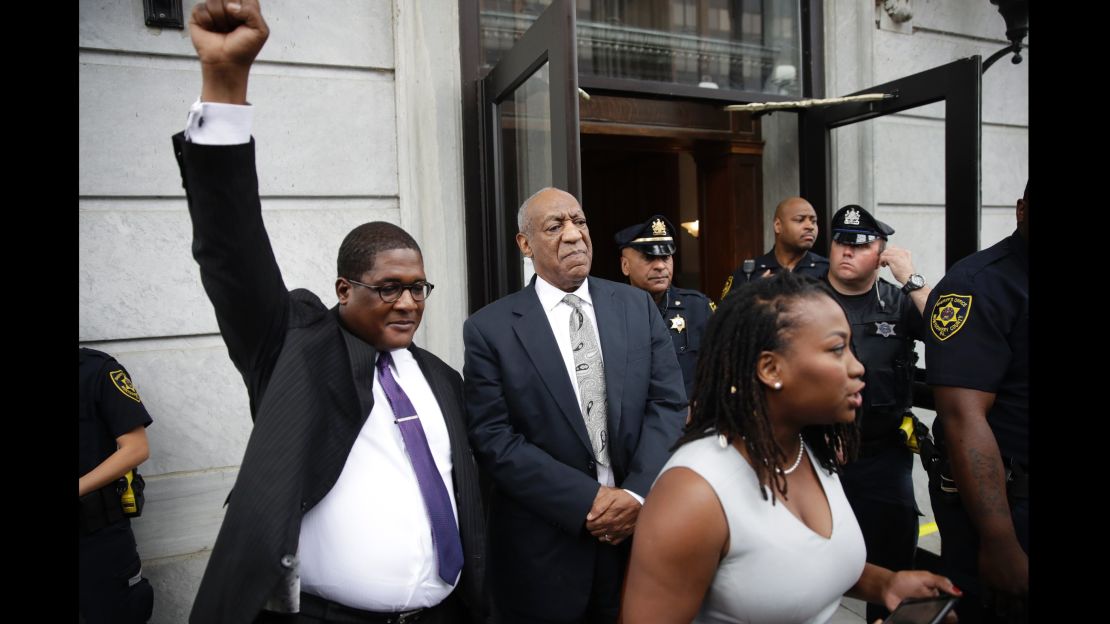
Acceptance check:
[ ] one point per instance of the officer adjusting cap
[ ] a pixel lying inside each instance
(654, 237)
(852, 225)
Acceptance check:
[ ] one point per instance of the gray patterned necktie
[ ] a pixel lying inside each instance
(590, 371)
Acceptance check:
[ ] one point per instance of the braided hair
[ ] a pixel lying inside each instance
(729, 399)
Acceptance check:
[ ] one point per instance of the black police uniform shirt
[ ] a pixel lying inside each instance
(811, 264)
(885, 323)
(109, 407)
(685, 312)
(978, 337)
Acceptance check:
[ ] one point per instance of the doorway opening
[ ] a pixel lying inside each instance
(690, 161)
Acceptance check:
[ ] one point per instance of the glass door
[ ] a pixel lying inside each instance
(530, 121)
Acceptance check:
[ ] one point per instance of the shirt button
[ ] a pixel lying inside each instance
(287, 561)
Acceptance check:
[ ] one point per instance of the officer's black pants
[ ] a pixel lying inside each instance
(107, 560)
(959, 550)
(879, 487)
(890, 534)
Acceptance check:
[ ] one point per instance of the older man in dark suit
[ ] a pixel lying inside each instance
(357, 499)
(573, 398)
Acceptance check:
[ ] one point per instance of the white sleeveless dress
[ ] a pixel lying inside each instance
(777, 569)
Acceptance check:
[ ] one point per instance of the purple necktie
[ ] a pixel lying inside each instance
(445, 533)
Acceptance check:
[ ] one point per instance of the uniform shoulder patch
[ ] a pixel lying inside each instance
(949, 315)
(728, 285)
(123, 383)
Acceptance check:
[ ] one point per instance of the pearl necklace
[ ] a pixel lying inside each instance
(797, 462)
(723, 441)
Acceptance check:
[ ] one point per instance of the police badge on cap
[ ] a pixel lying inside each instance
(852, 225)
(654, 237)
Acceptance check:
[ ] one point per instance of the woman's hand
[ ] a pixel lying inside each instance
(917, 584)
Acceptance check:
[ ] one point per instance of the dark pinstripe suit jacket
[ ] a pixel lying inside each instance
(307, 412)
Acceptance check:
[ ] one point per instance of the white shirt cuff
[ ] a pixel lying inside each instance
(214, 123)
(638, 498)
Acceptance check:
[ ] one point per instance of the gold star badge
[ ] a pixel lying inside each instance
(678, 323)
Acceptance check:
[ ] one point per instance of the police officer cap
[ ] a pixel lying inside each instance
(655, 237)
(852, 225)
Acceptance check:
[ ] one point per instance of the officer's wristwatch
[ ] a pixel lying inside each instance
(914, 282)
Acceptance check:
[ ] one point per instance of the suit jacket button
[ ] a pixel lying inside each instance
(287, 561)
(592, 466)
(304, 505)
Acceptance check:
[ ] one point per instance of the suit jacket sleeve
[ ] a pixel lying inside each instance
(665, 412)
(549, 488)
(237, 264)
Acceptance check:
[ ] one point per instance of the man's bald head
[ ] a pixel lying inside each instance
(792, 204)
(795, 225)
(540, 197)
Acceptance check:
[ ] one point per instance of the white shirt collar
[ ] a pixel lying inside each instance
(551, 296)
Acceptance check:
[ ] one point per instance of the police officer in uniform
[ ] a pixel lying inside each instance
(886, 319)
(977, 356)
(647, 259)
(111, 422)
(795, 232)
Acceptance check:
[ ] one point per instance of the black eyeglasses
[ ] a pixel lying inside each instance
(392, 292)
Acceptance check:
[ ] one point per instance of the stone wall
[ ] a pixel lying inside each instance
(357, 119)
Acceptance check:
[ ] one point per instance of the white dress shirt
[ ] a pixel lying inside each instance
(368, 543)
(214, 123)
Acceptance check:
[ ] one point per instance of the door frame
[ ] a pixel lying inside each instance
(959, 85)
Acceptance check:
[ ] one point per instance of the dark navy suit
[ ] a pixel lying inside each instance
(527, 430)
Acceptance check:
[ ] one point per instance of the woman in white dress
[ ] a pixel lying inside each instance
(748, 521)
